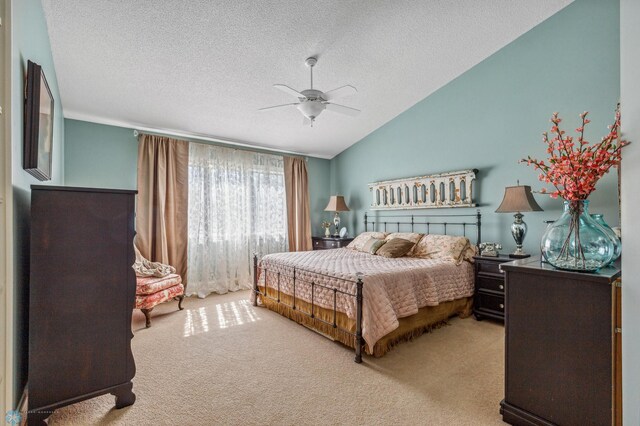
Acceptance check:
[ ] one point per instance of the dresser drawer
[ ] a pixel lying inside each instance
(489, 267)
(491, 302)
(489, 283)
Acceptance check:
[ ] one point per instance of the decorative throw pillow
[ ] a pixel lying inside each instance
(372, 245)
(421, 249)
(469, 252)
(396, 247)
(414, 237)
(358, 242)
(433, 246)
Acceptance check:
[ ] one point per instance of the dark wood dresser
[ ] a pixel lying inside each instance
(325, 243)
(488, 300)
(81, 296)
(562, 352)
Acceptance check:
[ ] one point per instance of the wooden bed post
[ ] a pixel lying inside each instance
(365, 222)
(359, 340)
(255, 279)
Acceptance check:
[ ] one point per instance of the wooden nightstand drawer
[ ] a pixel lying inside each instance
(325, 243)
(489, 267)
(491, 302)
(318, 244)
(490, 287)
(489, 283)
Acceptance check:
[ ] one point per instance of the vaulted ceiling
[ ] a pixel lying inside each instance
(206, 67)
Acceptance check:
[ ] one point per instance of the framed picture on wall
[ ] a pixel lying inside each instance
(38, 124)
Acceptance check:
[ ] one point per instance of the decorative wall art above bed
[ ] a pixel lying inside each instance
(450, 189)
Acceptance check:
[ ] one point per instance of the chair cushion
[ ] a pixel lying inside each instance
(150, 285)
(148, 301)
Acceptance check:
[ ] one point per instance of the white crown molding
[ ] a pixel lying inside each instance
(75, 115)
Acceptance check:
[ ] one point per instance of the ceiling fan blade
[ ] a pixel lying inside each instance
(289, 90)
(340, 92)
(277, 106)
(342, 109)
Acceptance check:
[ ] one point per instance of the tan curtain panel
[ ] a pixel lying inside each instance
(162, 211)
(298, 217)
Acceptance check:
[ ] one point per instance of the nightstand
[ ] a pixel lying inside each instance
(488, 301)
(325, 243)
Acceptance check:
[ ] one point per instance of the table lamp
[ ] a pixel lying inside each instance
(518, 199)
(336, 204)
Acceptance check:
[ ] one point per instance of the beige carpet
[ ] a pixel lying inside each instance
(222, 361)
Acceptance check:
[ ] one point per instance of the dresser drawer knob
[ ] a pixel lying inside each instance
(501, 287)
(502, 306)
(333, 244)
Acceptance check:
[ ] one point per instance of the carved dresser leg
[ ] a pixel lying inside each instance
(37, 418)
(124, 395)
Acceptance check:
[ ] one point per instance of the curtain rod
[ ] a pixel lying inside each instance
(190, 135)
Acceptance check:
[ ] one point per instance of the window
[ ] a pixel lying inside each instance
(237, 206)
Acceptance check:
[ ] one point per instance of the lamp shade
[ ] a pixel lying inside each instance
(518, 199)
(336, 204)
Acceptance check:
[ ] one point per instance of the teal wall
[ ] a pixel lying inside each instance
(30, 41)
(319, 181)
(104, 156)
(494, 114)
(100, 156)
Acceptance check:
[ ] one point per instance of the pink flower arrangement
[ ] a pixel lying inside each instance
(574, 168)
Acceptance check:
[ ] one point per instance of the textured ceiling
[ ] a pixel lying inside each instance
(205, 66)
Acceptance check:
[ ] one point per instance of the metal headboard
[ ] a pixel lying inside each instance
(415, 221)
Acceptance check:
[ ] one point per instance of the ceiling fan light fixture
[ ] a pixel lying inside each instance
(311, 109)
(312, 102)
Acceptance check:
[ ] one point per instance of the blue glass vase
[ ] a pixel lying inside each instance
(617, 244)
(575, 242)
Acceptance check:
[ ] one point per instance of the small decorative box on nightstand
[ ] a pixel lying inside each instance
(324, 243)
(488, 301)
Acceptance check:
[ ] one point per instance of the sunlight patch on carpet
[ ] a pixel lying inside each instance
(222, 315)
(235, 313)
(196, 322)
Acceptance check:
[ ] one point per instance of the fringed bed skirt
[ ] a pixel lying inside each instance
(427, 319)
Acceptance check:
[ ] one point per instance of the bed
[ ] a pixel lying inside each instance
(365, 301)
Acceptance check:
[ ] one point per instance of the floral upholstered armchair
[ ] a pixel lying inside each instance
(155, 283)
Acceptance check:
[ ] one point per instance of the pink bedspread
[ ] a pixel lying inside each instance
(393, 288)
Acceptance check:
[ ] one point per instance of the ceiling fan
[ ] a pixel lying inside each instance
(312, 102)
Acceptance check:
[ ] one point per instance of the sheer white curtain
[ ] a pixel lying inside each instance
(237, 206)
